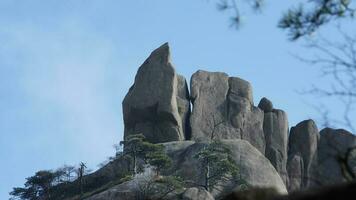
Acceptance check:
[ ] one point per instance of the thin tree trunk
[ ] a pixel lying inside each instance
(135, 165)
(207, 174)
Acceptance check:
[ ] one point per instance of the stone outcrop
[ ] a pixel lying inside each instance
(275, 128)
(254, 168)
(335, 144)
(195, 193)
(265, 105)
(223, 109)
(295, 170)
(124, 191)
(302, 155)
(157, 104)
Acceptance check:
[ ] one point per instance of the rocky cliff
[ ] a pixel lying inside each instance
(158, 105)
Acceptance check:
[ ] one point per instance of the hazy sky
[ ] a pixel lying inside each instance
(65, 67)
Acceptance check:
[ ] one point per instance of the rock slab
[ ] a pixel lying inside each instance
(254, 168)
(335, 144)
(275, 128)
(157, 105)
(223, 109)
(196, 194)
(303, 143)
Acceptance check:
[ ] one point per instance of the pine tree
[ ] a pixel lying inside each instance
(134, 148)
(216, 160)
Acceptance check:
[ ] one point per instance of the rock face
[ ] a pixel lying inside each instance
(123, 191)
(157, 104)
(265, 105)
(254, 168)
(275, 128)
(183, 104)
(295, 169)
(302, 155)
(223, 109)
(335, 144)
(196, 194)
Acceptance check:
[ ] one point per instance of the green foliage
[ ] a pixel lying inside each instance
(126, 178)
(169, 184)
(301, 21)
(159, 187)
(218, 164)
(156, 187)
(298, 21)
(36, 186)
(159, 159)
(136, 147)
(234, 7)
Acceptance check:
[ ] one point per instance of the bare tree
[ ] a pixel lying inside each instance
(308, 17)
(214, 124)
(299, 21)
(233, 7)
(337, 62)
(81, 172)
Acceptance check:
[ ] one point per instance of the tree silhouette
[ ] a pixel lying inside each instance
(217, 163)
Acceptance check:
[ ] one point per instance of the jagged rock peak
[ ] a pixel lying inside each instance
(157, 105)
(161, 54)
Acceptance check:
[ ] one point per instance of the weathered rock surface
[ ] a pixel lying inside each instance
(295, 169)
(157, 104)
(303, 142)
(124, 191)
(335, 144)
(265, 105)
(223, 109)
(183, 104)
(275, 128)
(254, 168)
(196, 194)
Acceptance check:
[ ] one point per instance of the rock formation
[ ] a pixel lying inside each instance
(195, 193)
(335, 144)
(223, 109)
(303, 143)
(157, 104)
(267, 154)
(275, 128)
(254, 168)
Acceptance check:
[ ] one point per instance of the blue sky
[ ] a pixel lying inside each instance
(65, 67)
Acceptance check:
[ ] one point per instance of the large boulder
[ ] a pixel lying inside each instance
(254, 168)
(303, 142)
(223, 109)
(195, 193)
(275, 128)
(335, 146)
(157, 105)
(124, 191)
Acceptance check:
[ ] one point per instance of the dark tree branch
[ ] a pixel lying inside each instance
(337, 61)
